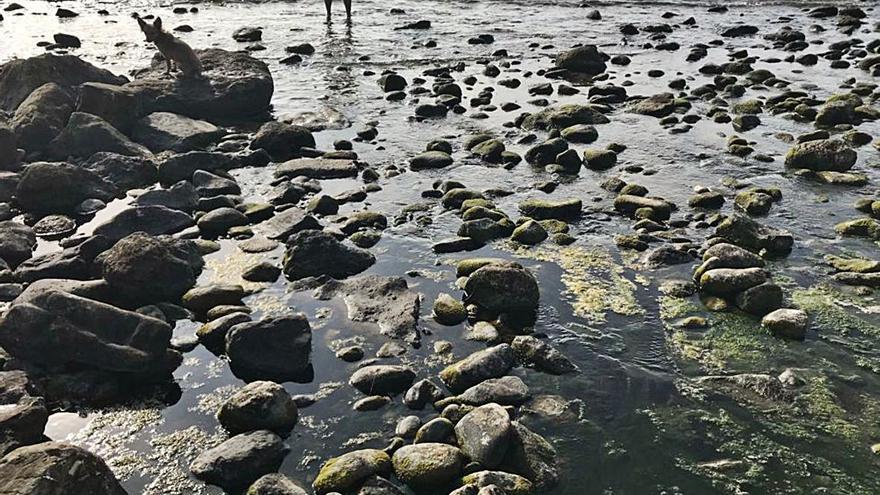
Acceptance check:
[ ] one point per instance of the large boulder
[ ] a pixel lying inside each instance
(59, 187)
(160, 131)
(235, 86)
(311, 253)
(275, 348)
(20, 77)
(582, 60)
(54, 468)
(54, 328)
(503, 288)
(146, 269)
(87, 134)
(124, 172)
(820, 155)
(17, 242)
(236, 463)
(42, 116)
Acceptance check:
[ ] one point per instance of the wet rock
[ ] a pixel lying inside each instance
(124, 172)
(162, 131)
(288, 222)
(430, 160)
(506, 391)
(17, 242)
(235, 86)
(583, 60)
(502, 288)
(281, 140)
(382, 379)
(385, 301)
(438, 430)
(599, 159)
(427, 465)
(529, 233)
(668, 255)
(629, 205)
(20, 77)
(42, 116)
(64, 329)
(263, 271)
(760, 299)
(146, 269)
(484, 434)
(732, 256)
(511, 484)
(182, 166)
(485, 229)
(448, 310)
(153, 220)
(580, 133)
(53, 468)
(236, 463)
(787, 323)
(213, 333)
(533, 457)
(823, 154)
(407, 427)
(217, 222)
(59, 187)
(275, 484)
(564, 116)
(275, 348)
(422, 392)
(114, 104)
(544, 209)
(259, 405)
(743, 231)
(493, 362)
(541, 355)
(312, 253)
(347, 471)
(76, 262)
(22, 422)
(729, 281)
(660, 105)
(87, 134)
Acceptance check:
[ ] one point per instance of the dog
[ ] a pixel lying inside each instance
(175, 50)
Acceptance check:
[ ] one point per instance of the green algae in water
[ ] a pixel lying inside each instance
(593, 279)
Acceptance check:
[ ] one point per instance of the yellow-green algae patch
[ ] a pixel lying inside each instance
(227, 267)
(732, 341)
(592, 278)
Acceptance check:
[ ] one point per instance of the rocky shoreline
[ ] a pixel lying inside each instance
(115, 193)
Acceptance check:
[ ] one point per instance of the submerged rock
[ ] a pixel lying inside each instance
(385, 301)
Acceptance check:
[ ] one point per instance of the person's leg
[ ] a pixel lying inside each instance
(347, 8)
(327, 5)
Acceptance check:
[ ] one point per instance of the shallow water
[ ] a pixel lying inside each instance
(642, 424)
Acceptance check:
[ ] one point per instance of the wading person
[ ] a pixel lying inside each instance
(329, 3)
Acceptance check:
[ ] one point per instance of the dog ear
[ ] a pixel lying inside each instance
(141, 22)
(158, 23)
